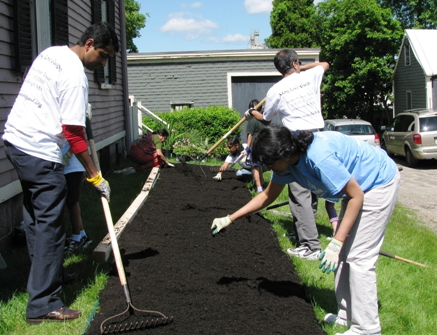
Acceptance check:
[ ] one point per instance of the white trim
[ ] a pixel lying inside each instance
(230, 75)
(428, 85)
(10, 190)
(108, 141)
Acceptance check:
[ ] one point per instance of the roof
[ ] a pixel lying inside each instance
(422, 42)
(214, 55)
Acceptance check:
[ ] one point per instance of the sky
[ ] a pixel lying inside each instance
(177, 25)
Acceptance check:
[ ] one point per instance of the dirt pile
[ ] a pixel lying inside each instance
(239, 282)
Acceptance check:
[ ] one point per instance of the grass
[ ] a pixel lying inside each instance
(407, 293)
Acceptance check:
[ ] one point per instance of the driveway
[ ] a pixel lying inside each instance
(418, 190)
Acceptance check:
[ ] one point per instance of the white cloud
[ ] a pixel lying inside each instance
(258, 6)
(192, 5)
(236, 38)
(189, 24)
(196, 4)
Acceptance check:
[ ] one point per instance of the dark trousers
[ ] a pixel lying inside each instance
(44, 194)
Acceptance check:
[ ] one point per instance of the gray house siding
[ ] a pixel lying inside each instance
(158, 85)
(109, 105)
(409, 78)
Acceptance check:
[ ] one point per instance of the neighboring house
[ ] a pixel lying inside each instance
(415, 74)
(28, 27)
(172, 80)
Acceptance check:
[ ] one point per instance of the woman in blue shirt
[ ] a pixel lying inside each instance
(333, 165)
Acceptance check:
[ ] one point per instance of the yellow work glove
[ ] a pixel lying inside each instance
(101, 185)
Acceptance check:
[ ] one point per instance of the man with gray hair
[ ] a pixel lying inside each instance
(296, 100)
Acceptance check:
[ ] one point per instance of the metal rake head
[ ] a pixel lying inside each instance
(217, 169)
(110, 325)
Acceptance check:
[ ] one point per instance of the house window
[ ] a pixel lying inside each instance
(36, 27)
(409, 100)
(407, 55)
(176, 106)
(104, 11)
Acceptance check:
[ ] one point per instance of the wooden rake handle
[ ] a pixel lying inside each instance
(114, 242)
(239, 123)
(386, 254)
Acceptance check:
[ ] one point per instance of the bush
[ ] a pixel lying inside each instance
(210, 123)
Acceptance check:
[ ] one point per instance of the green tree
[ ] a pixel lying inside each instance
(359, 40)
(419, 14)
(293, 25)
(134, 22)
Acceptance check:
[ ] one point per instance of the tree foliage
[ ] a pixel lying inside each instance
(293, 24)
(135, 21)
(418, 14)
(359, 40)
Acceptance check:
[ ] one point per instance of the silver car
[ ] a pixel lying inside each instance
(412, 134)
(360, 129)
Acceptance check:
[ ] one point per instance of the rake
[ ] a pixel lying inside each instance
(120, 322)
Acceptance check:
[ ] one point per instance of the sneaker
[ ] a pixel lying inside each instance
(74, 246)
(333, 318)
(350, 332)
(305, 253)
(294, 252)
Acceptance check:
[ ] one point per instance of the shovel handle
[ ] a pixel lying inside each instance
(233, 128)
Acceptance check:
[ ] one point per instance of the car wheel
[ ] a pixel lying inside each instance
(411, 161)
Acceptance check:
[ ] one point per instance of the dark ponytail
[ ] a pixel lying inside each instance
(274, 143)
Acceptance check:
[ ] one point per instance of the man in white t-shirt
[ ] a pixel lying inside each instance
(50, 109)
(296, 100)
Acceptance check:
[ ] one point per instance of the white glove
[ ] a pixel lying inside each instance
(220, 223)
(170, 164)
(243, 156)
(217, 177)
(329, 256)
(248, 114)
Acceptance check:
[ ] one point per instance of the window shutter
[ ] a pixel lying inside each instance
(96, 11)
(112, 61)
(99, 74)
(59, 22)
(22, 35)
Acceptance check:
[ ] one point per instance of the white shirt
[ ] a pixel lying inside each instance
(296, 100)
(55, 92)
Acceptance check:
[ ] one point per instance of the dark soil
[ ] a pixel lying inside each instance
(239, 282)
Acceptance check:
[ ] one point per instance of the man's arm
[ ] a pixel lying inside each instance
(325, 66)
(259, 116)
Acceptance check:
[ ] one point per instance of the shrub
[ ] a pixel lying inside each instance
(211, 123)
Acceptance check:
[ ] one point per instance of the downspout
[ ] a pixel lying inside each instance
(127, 117)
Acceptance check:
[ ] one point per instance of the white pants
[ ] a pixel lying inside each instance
(355, 279)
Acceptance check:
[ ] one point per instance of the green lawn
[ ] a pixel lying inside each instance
(407, 293)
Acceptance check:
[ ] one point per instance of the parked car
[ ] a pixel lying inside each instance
(360, 129)
(412, 134)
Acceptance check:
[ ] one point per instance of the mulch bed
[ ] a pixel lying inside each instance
(238, 282)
